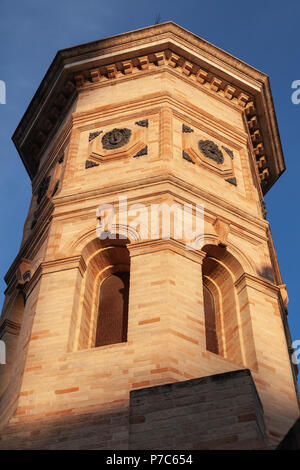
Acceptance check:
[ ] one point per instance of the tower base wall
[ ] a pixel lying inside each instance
(221, 411)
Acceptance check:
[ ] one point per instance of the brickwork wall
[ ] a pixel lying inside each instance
(218, 412)
(57, 372)
(222, 411)
(93, 429)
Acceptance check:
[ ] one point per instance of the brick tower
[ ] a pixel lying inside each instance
(136, 341)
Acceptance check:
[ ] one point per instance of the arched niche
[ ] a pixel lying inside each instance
(227, 317)
(9, 334)
(103, 259)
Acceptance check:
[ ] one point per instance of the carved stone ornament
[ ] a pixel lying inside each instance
(211, 150)
(23, 272)
(222, 230)
(228, 151)
(142, 152)
(263, 208)
(93, 135)
(143, 123)
(186, 156)
(90, 164)
(232, 181)
(27, 275)
(116, 138)
(186, 128)
(43, 188)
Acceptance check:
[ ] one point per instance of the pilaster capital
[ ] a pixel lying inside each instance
(62, 264)
(9, 326)
(23, 272)
(57, 265)
(257, 283)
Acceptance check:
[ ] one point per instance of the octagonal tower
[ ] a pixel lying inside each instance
(96, 327)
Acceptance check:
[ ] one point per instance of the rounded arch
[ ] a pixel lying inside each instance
(102, 259)
(103, 249)
(119, 232)
(217, 316)
(112, 319)
(9, 334)
(220, 270)
(242, 262)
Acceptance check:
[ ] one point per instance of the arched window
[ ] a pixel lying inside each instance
(101, 305)
(210, 321)
(9, 333)
(113, 309)
(221, 310)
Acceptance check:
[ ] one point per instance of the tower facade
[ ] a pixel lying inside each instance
(101, 314)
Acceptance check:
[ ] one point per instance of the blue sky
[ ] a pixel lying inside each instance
(264, 34)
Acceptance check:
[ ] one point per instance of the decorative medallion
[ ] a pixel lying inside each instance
(232, 181)
(222, 229)
(93, 135)
(43, 187)
(116, 138)
(211, 150)
(90, 164)
(186, 128)
(187, 157)
(143, 123)
(142, 152)
(228, 151)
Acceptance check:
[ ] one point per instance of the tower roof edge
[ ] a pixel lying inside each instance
(59, 87)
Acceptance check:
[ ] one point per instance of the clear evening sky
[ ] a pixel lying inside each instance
(263, 33)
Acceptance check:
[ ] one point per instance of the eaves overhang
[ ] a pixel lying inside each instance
(165, 43)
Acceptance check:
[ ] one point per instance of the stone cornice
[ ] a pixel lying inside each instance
(34, 240)
(64, 204)
(52, 152)
(135, 52)
(169, 244)
(162, 61)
